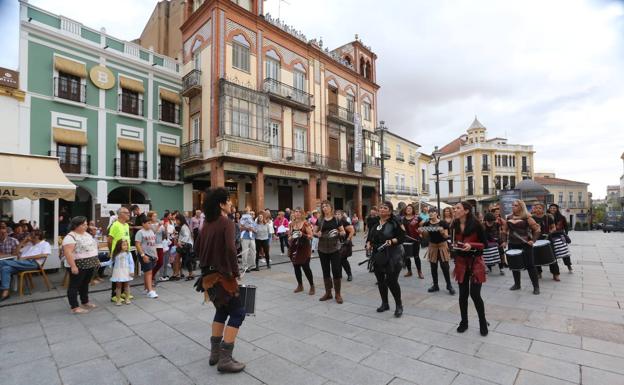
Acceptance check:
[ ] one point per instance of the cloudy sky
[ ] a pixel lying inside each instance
(547, 73)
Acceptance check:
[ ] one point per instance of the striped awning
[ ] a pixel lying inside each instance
(65, 136)
(168, 150)
(70, 67)
(131, 84)
(169, 96)
(130, 145)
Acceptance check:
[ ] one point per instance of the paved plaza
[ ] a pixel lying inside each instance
(570, 334)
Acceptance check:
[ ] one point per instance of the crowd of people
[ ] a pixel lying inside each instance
(227, 242)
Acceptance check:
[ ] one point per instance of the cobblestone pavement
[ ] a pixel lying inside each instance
(572, 333)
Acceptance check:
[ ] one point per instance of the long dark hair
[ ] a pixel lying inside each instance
(214, 198)
(181, 219)
(76, 221)
(118, 245)
(472, 224)
(558, 215)
(404, 211)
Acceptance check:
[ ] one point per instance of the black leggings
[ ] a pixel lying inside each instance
(445, 272)
(416, 255)
(79, 284)
(529, 264)
(346, 266)
(283, 242)
(390, 281)
(331, 264)
(472, 289)
(308, 273)
(263, 245)
(553, 267)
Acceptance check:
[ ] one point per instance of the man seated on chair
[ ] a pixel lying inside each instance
(32, 253)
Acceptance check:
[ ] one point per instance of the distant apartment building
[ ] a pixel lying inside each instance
(613, 197)
(473, 167)
(406, 171)
(571, 196)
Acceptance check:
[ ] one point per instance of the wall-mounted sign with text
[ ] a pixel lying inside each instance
(9, 78)
(102, 77)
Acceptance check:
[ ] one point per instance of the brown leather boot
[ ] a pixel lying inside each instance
(227, 364)
(337, 284)
(215, 345)
(328, 289)
(312, 291)
(298, 289)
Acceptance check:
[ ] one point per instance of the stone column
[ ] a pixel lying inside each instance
(217, 174)
(258, 186)
(323, 188)
(357, 199)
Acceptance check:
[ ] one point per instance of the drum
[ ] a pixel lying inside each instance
(491, 255)
(409, 249)
(515, 260)
(248, 298)
(543, 253)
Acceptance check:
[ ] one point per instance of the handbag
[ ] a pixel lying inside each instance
(567, 239)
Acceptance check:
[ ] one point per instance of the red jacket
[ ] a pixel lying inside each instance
(477, 265)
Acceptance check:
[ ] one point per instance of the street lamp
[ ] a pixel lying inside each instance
(381, 129)
(437, 154)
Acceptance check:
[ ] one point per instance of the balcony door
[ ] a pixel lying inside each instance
(332, 97)
(276, 140)
(300, 145)
(69, 157)
(129, 164)
(334, 152)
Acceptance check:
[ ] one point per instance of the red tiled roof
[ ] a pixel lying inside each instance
(452, 147)
(556, 181)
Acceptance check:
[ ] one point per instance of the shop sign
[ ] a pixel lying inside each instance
(195, 170)
(102, 77)
(369, 183)
(283, 173)
(237, 167)
(342, 180)
(9, 78)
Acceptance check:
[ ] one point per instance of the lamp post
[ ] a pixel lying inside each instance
(437, 154)
(381, 130)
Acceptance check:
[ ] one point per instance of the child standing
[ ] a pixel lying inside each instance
(145, 242)
(123, 268)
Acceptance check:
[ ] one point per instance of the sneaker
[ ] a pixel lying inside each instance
(152, 294)
(118, 303)
(114, 299)
(163, 279)
(145, 292)
(127, 302)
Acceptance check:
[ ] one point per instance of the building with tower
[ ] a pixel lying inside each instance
(473, 167)
(277, 118)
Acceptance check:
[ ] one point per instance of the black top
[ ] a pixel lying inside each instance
(544, 222)
(379, 234)
(371, 222)
(329, 224)
(436, 236)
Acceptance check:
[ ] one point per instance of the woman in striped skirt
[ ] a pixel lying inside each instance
(492, 251)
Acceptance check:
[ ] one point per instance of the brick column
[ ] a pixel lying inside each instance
(357, 199)
(258, 185)
(310, 193)
(323, 188)
(375, 197)
(217, 174)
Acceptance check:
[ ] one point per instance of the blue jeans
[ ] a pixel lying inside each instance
(9, 267)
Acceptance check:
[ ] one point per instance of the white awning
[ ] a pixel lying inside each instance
(33, 177)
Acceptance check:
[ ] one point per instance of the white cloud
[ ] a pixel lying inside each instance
(547, 73)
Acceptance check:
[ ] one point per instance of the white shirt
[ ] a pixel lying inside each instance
(30, 250)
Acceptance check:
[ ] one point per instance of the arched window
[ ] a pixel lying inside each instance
(347, 59)
(367, 74)
(240, 53)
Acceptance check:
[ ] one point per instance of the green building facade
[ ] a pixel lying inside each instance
(109, 109)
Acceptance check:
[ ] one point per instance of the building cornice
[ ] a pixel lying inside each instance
(16, 94)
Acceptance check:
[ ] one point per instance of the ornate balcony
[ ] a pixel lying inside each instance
(130, 169)
(191, 83)
(191, 150)
(288, 95)
(339, 114)
(73, 163)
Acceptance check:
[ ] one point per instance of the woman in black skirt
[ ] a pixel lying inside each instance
(411, 222)
(385, 242)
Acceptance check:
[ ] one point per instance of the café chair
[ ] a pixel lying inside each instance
(29, 281)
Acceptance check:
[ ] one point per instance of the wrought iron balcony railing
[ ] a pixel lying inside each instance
(191, 83)
(130, 169)
(191, 150)
(340, 113)
(288, 94)
(73, 164)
